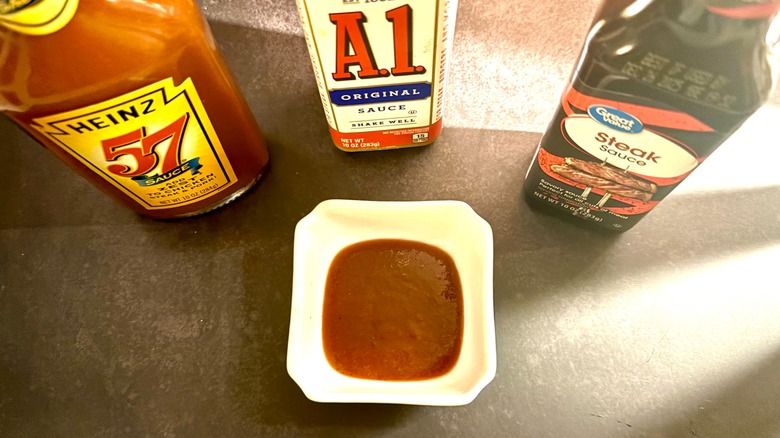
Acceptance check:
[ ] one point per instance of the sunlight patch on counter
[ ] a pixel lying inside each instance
(745, 160)
(671, 334)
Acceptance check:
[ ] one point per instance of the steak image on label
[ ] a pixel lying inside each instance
(606, 178)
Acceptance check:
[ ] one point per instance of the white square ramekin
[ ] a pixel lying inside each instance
(450, 225)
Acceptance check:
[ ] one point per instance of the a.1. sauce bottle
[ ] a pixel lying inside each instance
(659, 86)
(381, 68)
(133, 95)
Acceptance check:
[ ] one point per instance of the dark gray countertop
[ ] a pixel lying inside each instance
(114, 325)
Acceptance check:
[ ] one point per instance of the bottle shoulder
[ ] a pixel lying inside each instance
(106, 47)
(690, 69)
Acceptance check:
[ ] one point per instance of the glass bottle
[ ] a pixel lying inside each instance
(134, 96)
(659, 86)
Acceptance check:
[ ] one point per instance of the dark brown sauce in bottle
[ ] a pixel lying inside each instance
(659, 86)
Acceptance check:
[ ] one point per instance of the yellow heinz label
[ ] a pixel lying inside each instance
(37, 18)
(156, 144)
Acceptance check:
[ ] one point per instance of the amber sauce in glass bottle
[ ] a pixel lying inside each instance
(112, 48)
(659, 86)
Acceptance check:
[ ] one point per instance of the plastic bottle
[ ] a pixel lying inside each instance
(381, 68)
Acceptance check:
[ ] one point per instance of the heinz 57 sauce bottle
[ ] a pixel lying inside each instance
(132, 95)
(660, 84)
(381, 67)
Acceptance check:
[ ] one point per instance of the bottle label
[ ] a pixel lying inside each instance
(380, 67)
(744, 9)
(610, 162)
(38, 17)
(617, 159)
(629, 138)
(155, 144)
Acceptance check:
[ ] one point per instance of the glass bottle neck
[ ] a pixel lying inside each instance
(720, 20)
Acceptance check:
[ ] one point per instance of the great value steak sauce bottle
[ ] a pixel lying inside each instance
(659, 86)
